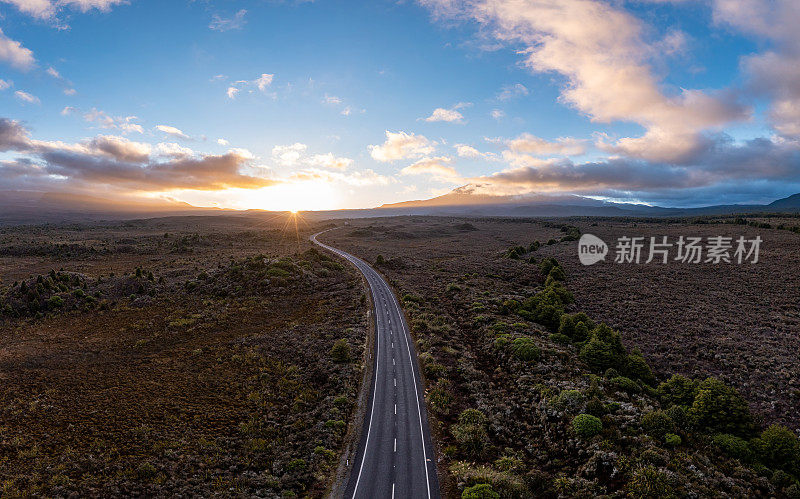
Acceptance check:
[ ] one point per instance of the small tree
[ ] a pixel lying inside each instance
(586, 425)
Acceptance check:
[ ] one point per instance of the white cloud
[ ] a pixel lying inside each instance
(173, 150)
(438, 167)
(5, 85)
(263, 81)
(601, 51)
(70, 92)
(171, 130)
(126, 124)
(332, 99)
(497, 114)
(289, 155)
(448, 115)
(219, 23)
(222, 142)
(232, 91)
(467, 151)
(346, 111)
(508, 92)
(12, 52)
(330, 161)
(401, 145)
(48, 9)
(26, 97)
(530, 144)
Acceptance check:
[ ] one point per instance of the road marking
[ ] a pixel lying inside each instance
(395, 382)
(392, 490)
(395, 411)
(395, 445)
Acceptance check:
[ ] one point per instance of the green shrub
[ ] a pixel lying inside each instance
(627, 385)
(380, 260)
(296, 465)
(595, 407)
(657, 424)
(145, 471)
(480, 491)
(779, 448)
(557, 274)
(636, 367)
(718, 408)
(672, 440)
(547, 264)
(649, 482)
(679, 390)
(561, 339)
(340, 352)
(678, 415)
(732, 446)
(470, 433)
(586, 425)
(55, 302)
(506, 484)
(525, 349)
(598, 355)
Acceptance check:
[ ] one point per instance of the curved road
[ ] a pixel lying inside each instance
(395, 456)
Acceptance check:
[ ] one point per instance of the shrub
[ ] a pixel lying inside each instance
(672, 440)
(569, 401)
(380, 260)
(636, 367)
(597, 355)
(657, 424)
(778, 447)
(55, 302)
(480, 491)
(146, 471)
(470, 433)
(732, 446)
(586, 425)
(507, 485)
(719, 408)
(595, 407)
(648, 481)
(340, 352)
(525, 349)
(678, 415)
(679, 390)
(627, 385)
(557, 273)
(546, 265)
(440, 397)
(561, 339)
(296, 465)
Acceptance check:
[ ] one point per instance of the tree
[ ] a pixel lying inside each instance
(718, 408)
(340, 352)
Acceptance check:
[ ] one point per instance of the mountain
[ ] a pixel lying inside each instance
(465, 201)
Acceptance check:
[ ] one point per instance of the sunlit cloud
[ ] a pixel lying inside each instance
(12, 52)
(508, 92)
(26, 97)
(171, 130)
(219, 23)
(401, 145)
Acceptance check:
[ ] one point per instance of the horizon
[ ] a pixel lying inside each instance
(316, 106)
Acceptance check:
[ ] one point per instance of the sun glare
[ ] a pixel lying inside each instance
(294, 197)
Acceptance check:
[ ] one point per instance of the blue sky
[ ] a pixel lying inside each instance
(335, 104)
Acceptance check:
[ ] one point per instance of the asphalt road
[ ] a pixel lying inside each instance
(395, 457)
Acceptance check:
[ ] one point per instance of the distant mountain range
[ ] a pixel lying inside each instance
(463, 201)
(18, 207)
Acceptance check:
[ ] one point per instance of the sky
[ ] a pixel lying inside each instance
(326, 104)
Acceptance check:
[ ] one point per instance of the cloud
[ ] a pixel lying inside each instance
(48, 10)
(262, 83)
(401, 145)
(602, 53)
(12, 52)
(222, 142)
(126, 124)
(26, 97)
(171, 130)
(173, 150)
(332, 99)
(5, 85)
(436, 166)
(221, 24)
(54, 73)
(776, 71)
(289, 155)
(448, 115)
(330, 161)
(467, 151)
(121, 164)
(70, 92)
(497, 114)
(508, 92)
(355, 178)
(530, 144)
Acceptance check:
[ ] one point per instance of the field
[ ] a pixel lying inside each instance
(176, 356)
(505, 382)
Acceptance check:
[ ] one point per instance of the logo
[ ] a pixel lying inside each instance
(591, 249)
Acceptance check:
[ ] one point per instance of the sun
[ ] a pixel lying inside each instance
(292, 197)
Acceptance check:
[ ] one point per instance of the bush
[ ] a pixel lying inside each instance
(340, 352)
(732, 446)
(648, 481)
(557, 274)
(657, 424)
(595, 407)
(779, 448)
(480, 491)
(672, 440)
(525, 349)
(636, 367)
(678, 415)
(627, 385)
(598, 355)
(569, 401)
(561, 339)
(586, 425)
(470, 433)
(718, 408)
(679, 390)
(546, 265)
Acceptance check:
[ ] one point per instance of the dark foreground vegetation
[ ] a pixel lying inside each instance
(532, 394)
(174, 357)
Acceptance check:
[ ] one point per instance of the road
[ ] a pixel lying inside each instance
(395, 456)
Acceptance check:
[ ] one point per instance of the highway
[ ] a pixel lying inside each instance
(395, 455)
